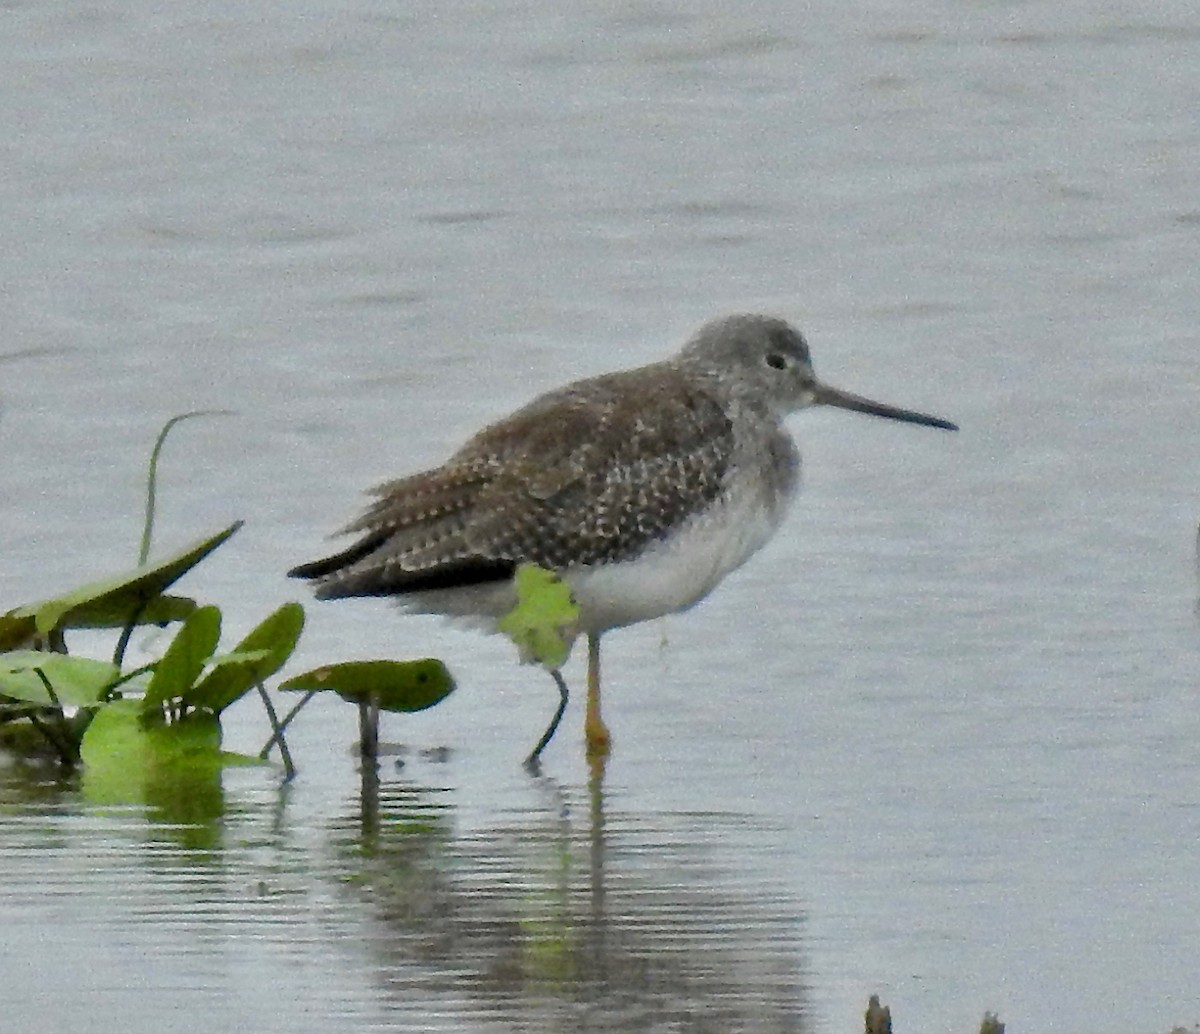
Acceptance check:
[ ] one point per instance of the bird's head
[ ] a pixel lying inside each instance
(766, 359)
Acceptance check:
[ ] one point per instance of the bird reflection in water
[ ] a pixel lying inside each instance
(618, 922)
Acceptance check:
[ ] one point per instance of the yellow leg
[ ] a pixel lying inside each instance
(594, 730)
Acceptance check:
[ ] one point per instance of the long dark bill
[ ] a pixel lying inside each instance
(823, 395)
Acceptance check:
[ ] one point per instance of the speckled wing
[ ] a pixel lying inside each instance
(591, 474)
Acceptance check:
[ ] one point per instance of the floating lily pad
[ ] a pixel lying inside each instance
(392, 685)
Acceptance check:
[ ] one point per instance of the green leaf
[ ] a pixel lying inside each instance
(129, 761)
(545, 621)
(15, 632)
(162, 610)
(119, 739)
(237, 657)
(184, 660)
(393, 685)
(115, 601)
(77, 681)
(271, 644)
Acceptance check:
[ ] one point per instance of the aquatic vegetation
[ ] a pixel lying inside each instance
(135, 729)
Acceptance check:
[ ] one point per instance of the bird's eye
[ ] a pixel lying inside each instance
(776, 361)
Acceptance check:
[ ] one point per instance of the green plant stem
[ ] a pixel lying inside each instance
(276, 735)
(67, 747)
(49, 688)
(57, 733)
(129, 676)
(368, 728)
(152, 474)
(127, 633)
(67, 755)
(287, 720)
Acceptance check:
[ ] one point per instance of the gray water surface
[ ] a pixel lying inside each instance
(937, 742)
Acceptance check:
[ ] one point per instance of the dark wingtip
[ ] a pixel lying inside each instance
(338, 578)
(339, 561)
(395, 581)
(314, 569)
(458, 574)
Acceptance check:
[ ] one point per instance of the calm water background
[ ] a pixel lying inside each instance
(939, 741)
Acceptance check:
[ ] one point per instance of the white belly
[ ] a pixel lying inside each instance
(674, 574)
